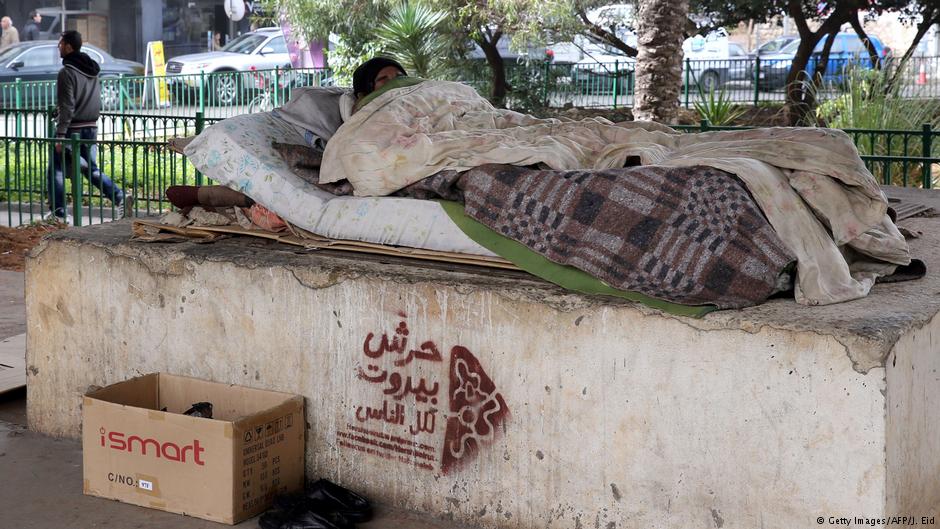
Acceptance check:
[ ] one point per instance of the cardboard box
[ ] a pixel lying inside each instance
(224, 469)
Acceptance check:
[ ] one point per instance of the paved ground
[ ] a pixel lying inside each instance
(12, 308)
(41, 484)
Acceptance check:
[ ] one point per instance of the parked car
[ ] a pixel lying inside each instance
(264, 49)
(847, 50)
(38, 60)
(773, 46)
(713, 61)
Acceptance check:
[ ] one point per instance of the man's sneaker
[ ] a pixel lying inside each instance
(51, 217)
(125, 208)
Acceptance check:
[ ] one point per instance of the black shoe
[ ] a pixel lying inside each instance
(350, 505)
(301, 518)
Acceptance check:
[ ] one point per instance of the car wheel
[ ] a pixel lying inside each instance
(710, 81)
(225, 88)
(110, 94)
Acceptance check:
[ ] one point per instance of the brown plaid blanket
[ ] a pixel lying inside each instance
(690, 235)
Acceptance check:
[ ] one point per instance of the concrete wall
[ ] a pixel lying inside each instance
(913, 406)
(512, 404)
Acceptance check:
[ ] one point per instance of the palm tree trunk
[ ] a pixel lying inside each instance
(659, 62)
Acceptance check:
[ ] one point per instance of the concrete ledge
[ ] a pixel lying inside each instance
(515, 404)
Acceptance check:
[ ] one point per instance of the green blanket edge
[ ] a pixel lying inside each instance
(561, 275)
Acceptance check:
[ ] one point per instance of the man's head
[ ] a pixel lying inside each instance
(374, 73)
(37, 18)
(6, 22)
(71, 41)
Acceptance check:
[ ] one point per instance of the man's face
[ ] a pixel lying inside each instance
(5, 23)
(385, 75)
(38, 18)
(64, 49)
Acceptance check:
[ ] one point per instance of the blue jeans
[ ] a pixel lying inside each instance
(89, 168)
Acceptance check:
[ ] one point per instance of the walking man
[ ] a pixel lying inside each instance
(31, 30)
(78, 95)
(10, 35)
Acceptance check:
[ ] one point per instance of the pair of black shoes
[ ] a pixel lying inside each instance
(322, 505)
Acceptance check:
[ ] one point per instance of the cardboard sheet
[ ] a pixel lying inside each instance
(309, 241)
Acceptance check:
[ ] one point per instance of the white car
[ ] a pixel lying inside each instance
(264, 49)
(714, 60)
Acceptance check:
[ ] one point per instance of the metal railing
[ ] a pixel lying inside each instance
(599, 84)
(130, 150)
(750, 80)
(216, 95)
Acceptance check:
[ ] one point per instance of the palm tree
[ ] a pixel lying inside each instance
(412, 35)
(659, 62)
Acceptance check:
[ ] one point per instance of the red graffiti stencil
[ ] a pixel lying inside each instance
(477, 411)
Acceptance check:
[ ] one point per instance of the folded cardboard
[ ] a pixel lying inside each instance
(224, 469)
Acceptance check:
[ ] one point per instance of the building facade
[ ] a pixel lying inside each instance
(124, 27)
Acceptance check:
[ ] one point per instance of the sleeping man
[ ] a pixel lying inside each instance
(317, 113)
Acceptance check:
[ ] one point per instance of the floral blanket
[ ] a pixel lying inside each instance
(810, 183)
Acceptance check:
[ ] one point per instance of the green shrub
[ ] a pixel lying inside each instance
(871, 101)
(717, 108)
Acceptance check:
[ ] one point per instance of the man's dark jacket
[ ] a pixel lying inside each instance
(78, 93)
(31, 31)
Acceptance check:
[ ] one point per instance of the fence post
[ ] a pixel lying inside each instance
(277, 86)
(200, 124)
(50, 133)
(18, 105)
(616, 78)
(927, 139)
(202, 90)
(688, 67)
(704, 125)
(120, 105)
(76, 180)
(545, 87)
(756, 80)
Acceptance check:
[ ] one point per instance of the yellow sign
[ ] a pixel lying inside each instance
(156, 69)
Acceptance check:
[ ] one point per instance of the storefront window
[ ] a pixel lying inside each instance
(187, 23)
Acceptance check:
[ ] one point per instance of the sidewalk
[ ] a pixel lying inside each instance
(42, 476)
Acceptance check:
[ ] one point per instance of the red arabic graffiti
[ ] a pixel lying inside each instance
(398, 344)
(477, 411)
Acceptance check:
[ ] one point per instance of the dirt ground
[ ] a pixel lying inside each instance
(15, 243)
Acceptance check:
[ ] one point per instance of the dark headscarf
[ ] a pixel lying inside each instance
(364, 76)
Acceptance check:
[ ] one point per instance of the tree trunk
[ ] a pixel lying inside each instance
(494, 60)
(797, 97)
(929, 19)
(797, 80)
(822, 64)
(869, 45)
(659, 62)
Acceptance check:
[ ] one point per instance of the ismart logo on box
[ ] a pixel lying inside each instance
(120, 441)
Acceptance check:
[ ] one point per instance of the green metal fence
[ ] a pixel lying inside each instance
(131, 151)
(216, 95)
(744, 81)
(598, 85)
